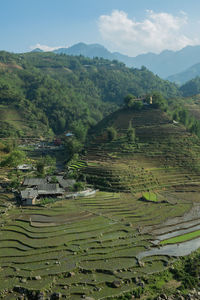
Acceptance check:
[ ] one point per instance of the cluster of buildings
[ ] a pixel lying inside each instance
(38, 188)
(35, 189)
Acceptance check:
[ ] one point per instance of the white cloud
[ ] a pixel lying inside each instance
(159, 31)
(45, 47)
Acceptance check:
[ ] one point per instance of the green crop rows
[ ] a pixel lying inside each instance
(80, 247)
(97, 239)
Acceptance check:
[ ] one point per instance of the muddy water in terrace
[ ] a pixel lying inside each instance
(189, 219)
(176, 233)
(174, 227)
(173, 250)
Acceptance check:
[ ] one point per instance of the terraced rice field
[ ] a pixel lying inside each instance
(81, 247)
(98, 246)
(6, 205)
(164, 156)
(180, 229)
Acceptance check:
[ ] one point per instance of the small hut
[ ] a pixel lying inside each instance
(29, 196)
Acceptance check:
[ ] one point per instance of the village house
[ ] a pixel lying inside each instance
(25, 167)
(38, 188)
(65, 183)
(69, 134)
(33, 182)
(29, 196)
(49, 190)
(144, 100)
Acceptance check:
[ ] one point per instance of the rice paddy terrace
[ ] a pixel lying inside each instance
(164, 156)
(193, 106)
(108, 244)
(83, 247)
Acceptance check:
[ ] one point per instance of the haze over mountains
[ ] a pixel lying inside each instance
(186, 75)
(166, 64)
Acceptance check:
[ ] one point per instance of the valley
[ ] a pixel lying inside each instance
(111, 243)
(99, 150)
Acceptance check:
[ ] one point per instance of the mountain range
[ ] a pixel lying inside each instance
(165, 64)
(182, 77)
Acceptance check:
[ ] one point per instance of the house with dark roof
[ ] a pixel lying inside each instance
(65, 183)
(50, 190)
(37, 188)
(34, 182)
(29, 196)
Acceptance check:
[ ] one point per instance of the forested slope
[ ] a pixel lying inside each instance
(187, 75)
(62, 92)
(191, 88)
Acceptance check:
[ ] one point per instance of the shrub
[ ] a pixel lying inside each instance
(78, 186)
(40, 167)
(15, 158)
(73, 146)
(128, 99)
(112, 133)
(131, 133)
(137, 105)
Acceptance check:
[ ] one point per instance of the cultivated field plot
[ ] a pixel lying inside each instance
(6, 205)
(102, 245)
(88, 246)
(164, 155)
(16, 121)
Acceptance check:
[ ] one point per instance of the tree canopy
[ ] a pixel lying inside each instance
(60, 92)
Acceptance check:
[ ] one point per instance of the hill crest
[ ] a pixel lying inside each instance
(164, 64)
(157, 159)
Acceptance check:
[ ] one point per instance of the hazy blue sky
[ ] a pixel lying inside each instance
(127, 26)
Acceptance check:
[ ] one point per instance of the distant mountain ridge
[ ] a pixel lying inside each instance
(91, 51)
(165, 64)
(37, 50)
(187, 75)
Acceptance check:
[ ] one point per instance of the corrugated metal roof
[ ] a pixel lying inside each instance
(49, 188)
(34, 181)
(65, 183)
(69, 134)
(29, 194)
(25, 167)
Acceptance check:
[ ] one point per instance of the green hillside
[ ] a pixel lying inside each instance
(18, 123)
(142, 161)
(191, 88)
(61, 90)
(163, 155)
(187, 75)
(192, 104)
(164, 64)
(114, 242)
